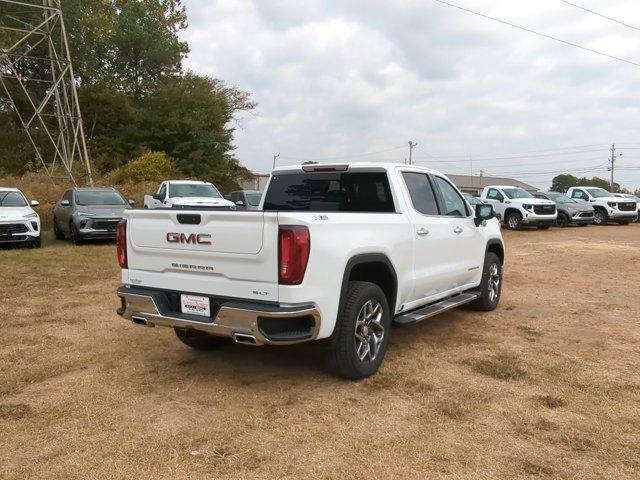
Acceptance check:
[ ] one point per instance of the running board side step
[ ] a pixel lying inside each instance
(435, 308)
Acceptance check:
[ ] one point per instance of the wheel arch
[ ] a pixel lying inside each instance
(497, 247)
(375, 268)
(511, 210)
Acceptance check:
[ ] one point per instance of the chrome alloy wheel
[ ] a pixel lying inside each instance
(513, 222)
(494, 282)
(369, 332)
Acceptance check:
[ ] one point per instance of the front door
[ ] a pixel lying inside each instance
(432, 235)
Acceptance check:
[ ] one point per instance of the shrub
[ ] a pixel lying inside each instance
(148, 167)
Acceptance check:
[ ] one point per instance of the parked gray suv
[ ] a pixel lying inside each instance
(569, 211)
(89, 213)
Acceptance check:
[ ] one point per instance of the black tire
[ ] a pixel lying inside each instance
(75, 236)
(343, 357)
(199, 340)
(488, 301)
(600, 217)
(544, 227)
(624, 222)
(583, 224)
(513, 221)
(562, 220)
(56, 230)
(37, 242)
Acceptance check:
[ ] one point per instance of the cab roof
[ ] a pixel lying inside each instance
(350, 166)
(9, 189)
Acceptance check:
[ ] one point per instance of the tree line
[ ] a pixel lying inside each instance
(134, 95)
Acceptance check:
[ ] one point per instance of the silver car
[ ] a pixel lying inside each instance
(250, 199)
(89, 213)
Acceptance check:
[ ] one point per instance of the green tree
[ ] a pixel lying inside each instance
(148, 167)
(562, 183)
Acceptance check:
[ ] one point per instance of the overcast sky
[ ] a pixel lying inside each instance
(354, 80)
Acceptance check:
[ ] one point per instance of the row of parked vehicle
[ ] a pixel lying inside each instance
(579, 206)
(93, 213)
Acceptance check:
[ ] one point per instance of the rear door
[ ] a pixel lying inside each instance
(227, 253)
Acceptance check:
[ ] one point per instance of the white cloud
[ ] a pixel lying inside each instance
(339, 78)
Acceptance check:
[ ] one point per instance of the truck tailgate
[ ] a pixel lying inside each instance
(224, 253)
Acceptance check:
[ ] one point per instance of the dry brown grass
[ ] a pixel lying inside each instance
(465, 396)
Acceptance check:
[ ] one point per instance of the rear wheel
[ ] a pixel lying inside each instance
(362, 332)
(198, 340)
(599, 217)
(543, 227)
(56, 230)
(514, 221)
(563, 220)
(490, 285)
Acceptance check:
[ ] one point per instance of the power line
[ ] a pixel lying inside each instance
(513, 157)
(581, 47)
(600, 14)
(344, 156)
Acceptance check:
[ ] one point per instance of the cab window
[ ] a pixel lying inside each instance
(163, 190)
(453, 204)
(421, 192)
(494, 194)
(579, 194)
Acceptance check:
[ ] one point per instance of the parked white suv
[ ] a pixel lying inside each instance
(517, 207)
(608, 208)
(185, 194)
(19, 223)
(336, 253)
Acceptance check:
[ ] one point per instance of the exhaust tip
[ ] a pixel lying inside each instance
(245, 339)
(139, 321)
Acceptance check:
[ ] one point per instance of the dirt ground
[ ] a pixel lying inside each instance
(546, 386)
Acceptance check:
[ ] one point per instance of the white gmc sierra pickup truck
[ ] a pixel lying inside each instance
(186, 193)
(607, 207)
(336, 253)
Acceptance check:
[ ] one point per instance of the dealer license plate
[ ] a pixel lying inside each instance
(195, 305)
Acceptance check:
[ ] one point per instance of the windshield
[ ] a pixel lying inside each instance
(560, 199)
(516, 193)
(99, 197)
(598, 192)
(12, 199)
(253, 199)
(193, 190)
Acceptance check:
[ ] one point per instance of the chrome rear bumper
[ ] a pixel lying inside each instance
(233, 319)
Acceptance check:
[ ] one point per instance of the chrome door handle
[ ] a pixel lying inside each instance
(457, 230)
(422, 232)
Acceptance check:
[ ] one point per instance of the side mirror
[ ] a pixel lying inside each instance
(34, 203)
(65, 203)
(483, 212)
(132, 202)
(240, 203)
(158, 197)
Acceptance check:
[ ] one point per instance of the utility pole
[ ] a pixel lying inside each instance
(411, 145)
(612, 164)
(274, 159)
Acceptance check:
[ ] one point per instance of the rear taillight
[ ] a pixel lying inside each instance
(122, 243)
(294, 244)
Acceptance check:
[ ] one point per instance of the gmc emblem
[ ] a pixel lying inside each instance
(192, 238)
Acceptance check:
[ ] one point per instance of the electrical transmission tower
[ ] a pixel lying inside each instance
(39, 86)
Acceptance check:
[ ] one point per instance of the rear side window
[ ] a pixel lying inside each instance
(421, 193)
(330, 192)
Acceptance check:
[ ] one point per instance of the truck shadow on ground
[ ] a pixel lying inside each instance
(242, 364)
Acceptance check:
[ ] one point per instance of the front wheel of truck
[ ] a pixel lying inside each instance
(362, 332)
(197, 339)
(490, 285)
